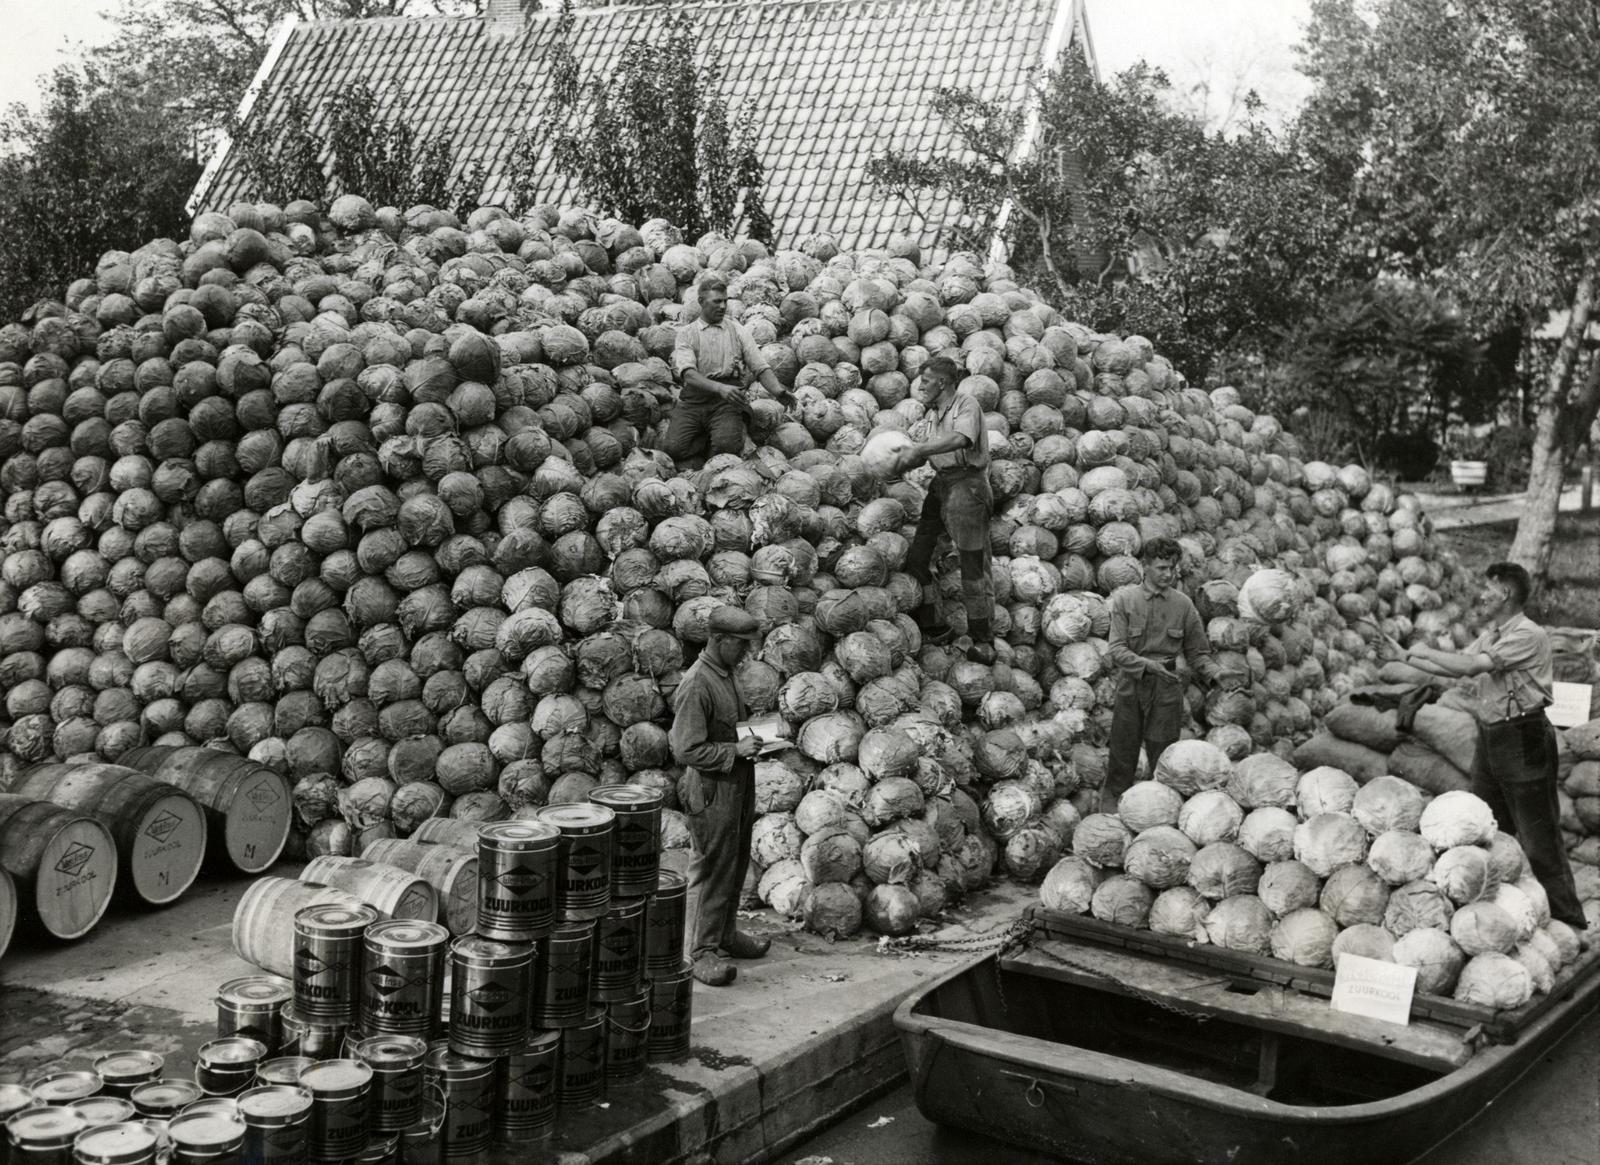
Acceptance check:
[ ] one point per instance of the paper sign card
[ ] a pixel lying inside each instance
(1570, 704)
(768, 730)
(1373, 988)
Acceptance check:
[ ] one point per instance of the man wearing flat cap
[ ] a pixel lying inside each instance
(718, 795)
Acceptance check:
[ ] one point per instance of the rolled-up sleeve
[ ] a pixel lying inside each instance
(966, 419)
(691, 726)
(685, 354)
(1518, 648)
(1119, 647)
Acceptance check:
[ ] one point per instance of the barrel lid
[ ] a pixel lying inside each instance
(135, 1063)
(173, 1094)
(474, 948)
(115, 1141)
(202, 1130)
(232, 1050)
(407, 934)
(15, 1098)
(334, 918)
(215, 1105)
(45, 1126)
(284, 1069)
(455, 1064)
(523, 834)
(256, 989)
(540, 1042)
(335, 1075)
(392, 1051)
(103, 1110)
(626, 907)
(269, 1101)
(577, 817)
(670, 881)
(60, 1087)
(626, 797)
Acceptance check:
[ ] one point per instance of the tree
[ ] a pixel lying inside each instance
(654, 140)
(1466, 130)
(104, 164)
(1133, 214)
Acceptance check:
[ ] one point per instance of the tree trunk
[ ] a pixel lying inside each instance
(1537, 527)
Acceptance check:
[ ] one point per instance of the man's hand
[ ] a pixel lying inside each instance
(748, 747)
(1165, 670)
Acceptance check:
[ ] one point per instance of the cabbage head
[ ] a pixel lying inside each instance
(1387, 803)
(1481, 927)
(1366, 940)
(1288, 886)
(1210, 816)
(1506, 859)
(891, 856)
(1304, 937)
(1537, 966)
(1192, 765)
(1180, 912)
(1520, 907)
(1147, 804)
(1101, 840)
(1457, 818)
(1463, 873)
(890, 800)
(892, 909)
(1123, 900)
(1436, 957)
(1264, 781)
(1494, 980)
(1223, 869)
(821, 809)
(1399, 857)
(1326, 790)
(1240, 923)
(1159, 857)
(887, 752)
(1268, 834)
(784, 887)
(1030, 852)
(1069, 886)
(1415, 906)
(1329, 840)
(833, 910)
(1009, 807)
(1269, 596)
(831, 855)
(1353, 895)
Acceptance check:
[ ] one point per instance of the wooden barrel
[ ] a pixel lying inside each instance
(448, 831)
(452, 872)
(263, 922)
(8, 910)
(247, 804)
(63, 864)
(160, 830)
(390, 890)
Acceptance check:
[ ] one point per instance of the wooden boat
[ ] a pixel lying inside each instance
(1093, 1043)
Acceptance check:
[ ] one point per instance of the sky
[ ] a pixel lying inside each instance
(1229, 40)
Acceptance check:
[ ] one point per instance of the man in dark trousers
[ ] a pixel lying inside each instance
(714, 358)
(960, 503)
(1509, 673)
(718, 794)
(1152, 623)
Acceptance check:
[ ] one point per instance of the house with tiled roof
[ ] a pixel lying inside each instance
(829, 85)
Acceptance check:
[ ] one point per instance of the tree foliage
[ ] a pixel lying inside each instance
(654, 140)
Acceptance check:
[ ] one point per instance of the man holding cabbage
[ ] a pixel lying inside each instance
(1152, 623)
(718, 794)
(1509, 673)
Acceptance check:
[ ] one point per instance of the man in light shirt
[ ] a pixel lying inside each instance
(715, 358)
(1509, 674)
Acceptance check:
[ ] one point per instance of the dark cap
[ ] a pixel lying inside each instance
(733, 621)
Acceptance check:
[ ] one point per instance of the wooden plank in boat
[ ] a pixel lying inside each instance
(1271, 1008)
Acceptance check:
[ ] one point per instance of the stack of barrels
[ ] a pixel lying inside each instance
(74, 835)
(397, 1024)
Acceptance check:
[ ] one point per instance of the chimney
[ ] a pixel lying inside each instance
(507, 17)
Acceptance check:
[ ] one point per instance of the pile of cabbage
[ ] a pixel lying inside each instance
(1257, 856)
(371, 496)
(1579, 800)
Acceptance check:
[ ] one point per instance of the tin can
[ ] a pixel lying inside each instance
(164, 1099)
(627, 1037)
(251, 1006)
(635, 838)
(526, 1108)
(283, 1070)
(327, 960)
(561, 971)
(403, 977)
(583, 859)
(65, 1087)
(104, 1110)
(671, 1007)
(664, 921)
(581, 1074)
(306, 1038)
(226, 1066)
(206, 1138)
(121, 1072)
(42, 1135)
(423, 1142)
(396, 1063)
(15, 1098)
(618, 952)
(340, 1091)
(115, 1143)
(277, 1120)
(516, 880)
(468, 1085)
(488, 996)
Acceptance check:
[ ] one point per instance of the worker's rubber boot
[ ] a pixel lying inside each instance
(747, 946)
(935, 631)
(712, 971)
(982, 649)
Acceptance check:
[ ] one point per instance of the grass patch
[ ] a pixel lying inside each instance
(1571, 595)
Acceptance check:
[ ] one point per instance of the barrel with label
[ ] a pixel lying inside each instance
(121, 1072)
(618, 952)
(43, 1134)
(114, 1142)
(664, 920)
(488, 996)
(468, 1085)
(165, 1098)
(583, 859)
(671, 1011)
(327, 961)
(63, 863)
(252, 1006)
(627, 1037)
(202, 1137)
(517, 880)
(526, 1107)
(248, 805)
(65, 1086)
(339, 1101)
(263, 922)
(402, 981)
(581, 1073)
(452, 872)
(561, 971)
(397, 1080)
(276, 1124)
(448, 831)
(635, 838)
(391, 891)
(227, 1066)
(159, 829)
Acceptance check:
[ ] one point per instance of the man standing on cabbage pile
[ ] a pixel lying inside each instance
(714, 357)
(1152, 623)
(960, 502)
(718, 795)
(1509, 673)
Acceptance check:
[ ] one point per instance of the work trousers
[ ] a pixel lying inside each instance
(721, 813)
(1148, 711)
(1515, 774)
(704, 425)
(959, 503)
